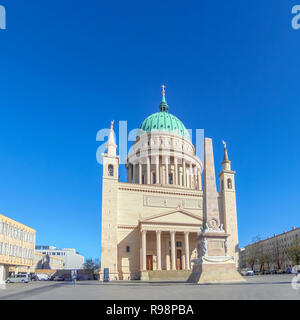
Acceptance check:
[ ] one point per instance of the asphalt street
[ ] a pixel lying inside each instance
(255, 288)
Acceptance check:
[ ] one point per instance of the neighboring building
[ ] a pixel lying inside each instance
(45, 261)
(274, 250)
(41, 263)
(17, 243)
(72, 259)
(151, 223)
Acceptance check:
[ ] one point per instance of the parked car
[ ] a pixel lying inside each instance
(288, 270)
(83, 277)
(257, 273)
(247, 272)
(18, 278)
(296, 269)
(280, 271)
(67, 277)
(32, 276)
(42, 277)
(274, 271)
(58, 278)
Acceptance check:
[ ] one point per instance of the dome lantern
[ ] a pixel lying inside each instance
(164, 121)
(163, 107)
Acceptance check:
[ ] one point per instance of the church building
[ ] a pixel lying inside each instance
(169, 214)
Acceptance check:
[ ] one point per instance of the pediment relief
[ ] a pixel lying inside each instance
(177, 216)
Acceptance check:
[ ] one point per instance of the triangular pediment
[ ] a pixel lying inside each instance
(177, 216)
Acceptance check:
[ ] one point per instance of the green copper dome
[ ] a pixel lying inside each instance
(164, 121)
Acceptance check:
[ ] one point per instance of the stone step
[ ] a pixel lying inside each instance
(174, 275)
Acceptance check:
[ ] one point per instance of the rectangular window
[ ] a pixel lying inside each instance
(178, 244)
(127, 249)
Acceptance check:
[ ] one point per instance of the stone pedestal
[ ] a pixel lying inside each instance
(214, 265)
(215, 270)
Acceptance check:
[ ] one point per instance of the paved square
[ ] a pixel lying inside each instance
(256, 287)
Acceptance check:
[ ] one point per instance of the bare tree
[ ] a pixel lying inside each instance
(262, 257)
(253, 252)
(277, 254)
(293, 252)
(91, 264)
(269, 260)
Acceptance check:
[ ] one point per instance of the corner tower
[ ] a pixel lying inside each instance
(109, 251)
(227, 183)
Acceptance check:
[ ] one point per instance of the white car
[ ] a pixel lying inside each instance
(247, 272)
(296, 269)
(42, 277)
(250, 272)
(18, 278)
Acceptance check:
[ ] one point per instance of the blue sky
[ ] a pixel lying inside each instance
(67, 68)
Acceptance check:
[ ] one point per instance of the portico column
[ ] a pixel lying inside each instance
(193, 180)
(140, 172)
(196, 177)
(173, 250)
(187, 175)
(134, 173)
(167, 169)
(180, 179)
(144, 248)
(199, 180)
(148, 170)
(130, 173)
(183, 172)
(157, 170)
(127, 172)
(187, 250)
(190, 175)
(176, 171)
(158, 249)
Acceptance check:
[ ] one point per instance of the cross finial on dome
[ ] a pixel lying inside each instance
(163, 105)
(163, 90)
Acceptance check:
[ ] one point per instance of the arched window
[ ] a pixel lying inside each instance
(229, 184)
(170, 178)
(110, 170)
(222, 185)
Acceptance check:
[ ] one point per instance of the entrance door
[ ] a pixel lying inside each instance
(178, 260)
(149, 262)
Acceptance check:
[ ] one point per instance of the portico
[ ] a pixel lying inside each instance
(167, 242)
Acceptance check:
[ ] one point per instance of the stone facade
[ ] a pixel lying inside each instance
(151, 225)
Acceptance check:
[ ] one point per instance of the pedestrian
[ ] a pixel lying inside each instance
(74, 276)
